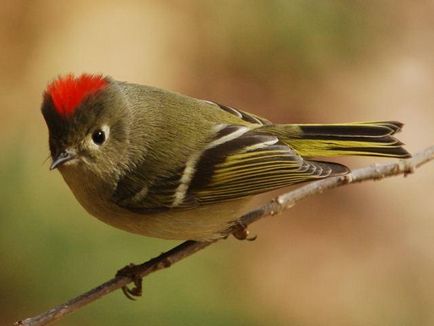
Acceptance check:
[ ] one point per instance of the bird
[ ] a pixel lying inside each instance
(161, 164)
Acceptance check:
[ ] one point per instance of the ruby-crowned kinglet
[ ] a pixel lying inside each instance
(165, 165)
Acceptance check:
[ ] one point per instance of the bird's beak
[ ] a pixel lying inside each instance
(62, 158)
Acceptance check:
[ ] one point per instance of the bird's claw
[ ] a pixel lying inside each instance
(130, 272)
(242, 233)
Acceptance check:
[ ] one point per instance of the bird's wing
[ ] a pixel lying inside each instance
(245, 116)
(238, 162)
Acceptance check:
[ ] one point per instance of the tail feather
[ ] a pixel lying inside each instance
(365, 138)
(366, 129)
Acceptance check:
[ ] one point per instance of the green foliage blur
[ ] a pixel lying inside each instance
(363, 255)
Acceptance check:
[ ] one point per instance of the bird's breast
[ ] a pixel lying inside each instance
(203, 223)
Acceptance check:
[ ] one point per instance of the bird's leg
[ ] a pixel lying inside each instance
(130, 272)
(242, 233)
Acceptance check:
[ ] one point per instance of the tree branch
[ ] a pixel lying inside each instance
(275, 206)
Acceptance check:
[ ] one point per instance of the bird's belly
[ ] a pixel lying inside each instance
(203, 223)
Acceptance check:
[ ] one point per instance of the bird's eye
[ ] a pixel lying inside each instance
(98, 137)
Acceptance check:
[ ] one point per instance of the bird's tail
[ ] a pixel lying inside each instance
(362, 138)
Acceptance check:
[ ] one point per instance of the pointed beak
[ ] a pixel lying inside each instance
(62, 158)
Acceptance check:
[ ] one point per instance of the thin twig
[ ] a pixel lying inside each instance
(187, 248)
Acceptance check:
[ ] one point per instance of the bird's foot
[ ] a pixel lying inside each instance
(242, 233)
(131, 272)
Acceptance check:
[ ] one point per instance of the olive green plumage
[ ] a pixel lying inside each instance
(166, 157)
(364, 139)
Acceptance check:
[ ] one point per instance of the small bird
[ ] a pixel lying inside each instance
(165, 165)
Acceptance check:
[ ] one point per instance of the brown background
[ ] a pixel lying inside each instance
(360, 255)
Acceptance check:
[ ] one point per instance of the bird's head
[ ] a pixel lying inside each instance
(86, 117)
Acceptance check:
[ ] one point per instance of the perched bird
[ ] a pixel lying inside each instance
(166, 165)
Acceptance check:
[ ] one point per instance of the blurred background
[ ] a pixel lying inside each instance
(359, 255)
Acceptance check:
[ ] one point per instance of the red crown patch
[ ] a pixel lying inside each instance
(68, 91)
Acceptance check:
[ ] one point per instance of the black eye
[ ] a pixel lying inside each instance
(98, 137)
